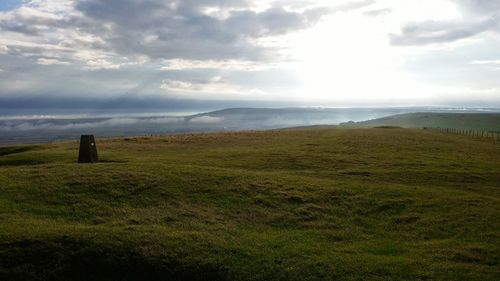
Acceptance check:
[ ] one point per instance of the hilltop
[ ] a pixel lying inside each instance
(302, 204)
(456, 120)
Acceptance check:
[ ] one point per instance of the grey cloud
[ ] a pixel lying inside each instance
(478, 16)
(122, 44)
(271, 22)
(29, 22)
(430, 32)
(377, 12)
(157, 29)
(353, 5)
(180, 29)
(478, 6)
(19, 28)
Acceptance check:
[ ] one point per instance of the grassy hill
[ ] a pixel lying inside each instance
(308, 204)
(467, 121)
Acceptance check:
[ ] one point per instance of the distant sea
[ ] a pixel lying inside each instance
(30, 129)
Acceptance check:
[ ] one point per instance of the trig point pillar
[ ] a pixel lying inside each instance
(88, 150)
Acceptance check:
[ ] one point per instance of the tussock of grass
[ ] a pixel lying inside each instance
(309, 204)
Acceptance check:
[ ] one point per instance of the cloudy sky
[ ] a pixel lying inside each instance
(310, 52)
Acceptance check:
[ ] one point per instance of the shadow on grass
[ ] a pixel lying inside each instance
(15, 149)
(8, 156)
(69, 259)
(21, 162)
(112, 161)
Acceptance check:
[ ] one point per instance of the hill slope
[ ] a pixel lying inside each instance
(323, 204)
(468, 121)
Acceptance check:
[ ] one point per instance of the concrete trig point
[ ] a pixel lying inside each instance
(88, 150)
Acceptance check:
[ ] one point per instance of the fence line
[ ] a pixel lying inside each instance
(492, 135)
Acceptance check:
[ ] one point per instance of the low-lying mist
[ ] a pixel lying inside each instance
(33, 129)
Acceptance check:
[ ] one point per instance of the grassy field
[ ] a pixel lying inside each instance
(466, 121)
(305, 204)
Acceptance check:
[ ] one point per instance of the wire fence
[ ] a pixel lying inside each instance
(492, 135)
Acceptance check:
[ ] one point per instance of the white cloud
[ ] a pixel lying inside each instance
(486, 62)
(215, 86)
(51, 61)
(212, 85)
(3, 49)
(447, 21)
(240, 65)
(97, 64)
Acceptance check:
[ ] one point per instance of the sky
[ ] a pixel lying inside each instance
(81, 54)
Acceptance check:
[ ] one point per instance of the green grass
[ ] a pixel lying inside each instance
(305, 204)
(465, 121)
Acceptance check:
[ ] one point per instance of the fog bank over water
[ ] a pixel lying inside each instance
(47, 128)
